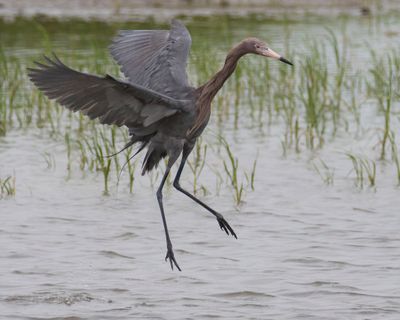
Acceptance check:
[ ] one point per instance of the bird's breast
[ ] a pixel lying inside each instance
(178, 125)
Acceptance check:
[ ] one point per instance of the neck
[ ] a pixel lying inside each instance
(211, 87)
(208, 90)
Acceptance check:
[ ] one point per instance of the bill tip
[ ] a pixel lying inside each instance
(285, 61)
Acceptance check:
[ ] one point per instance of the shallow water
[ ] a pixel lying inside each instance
(304, 250)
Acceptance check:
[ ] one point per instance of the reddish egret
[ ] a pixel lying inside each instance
(156, 103)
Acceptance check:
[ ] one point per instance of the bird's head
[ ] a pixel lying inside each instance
(256, 46)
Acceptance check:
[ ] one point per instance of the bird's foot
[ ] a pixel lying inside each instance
(170, 256)
(225, 226)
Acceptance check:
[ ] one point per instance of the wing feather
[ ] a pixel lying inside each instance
(155, 59)
(105, 98)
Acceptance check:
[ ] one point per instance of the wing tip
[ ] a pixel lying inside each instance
(36, 74)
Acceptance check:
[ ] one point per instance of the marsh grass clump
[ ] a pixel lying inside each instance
(309, 98)
(131, 168)
(320, 98)
(364, 169)
(395, 155)
(354, 102)
(231, 169)
(384, 87)
(7, 187)
(313, 96)
(196, 164)
(251, 177)
(233, 173)
(321, 88)
(324, 171)
(104, 167)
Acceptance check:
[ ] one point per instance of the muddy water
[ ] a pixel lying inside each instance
(304, 250)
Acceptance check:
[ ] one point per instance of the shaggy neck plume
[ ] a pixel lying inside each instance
(211, 87)
(208, 90)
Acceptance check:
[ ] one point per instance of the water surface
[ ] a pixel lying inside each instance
(305, 250)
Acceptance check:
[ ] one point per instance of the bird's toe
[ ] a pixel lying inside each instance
(224, 225)
(171, 257)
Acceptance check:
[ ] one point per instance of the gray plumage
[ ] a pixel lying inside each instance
(157, 104)
(155, 59)
(110, 100)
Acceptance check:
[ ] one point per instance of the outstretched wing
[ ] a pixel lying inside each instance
(109, 100)
(155, 59)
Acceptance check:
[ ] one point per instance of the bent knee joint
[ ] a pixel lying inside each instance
(159, 195)
(177, 185)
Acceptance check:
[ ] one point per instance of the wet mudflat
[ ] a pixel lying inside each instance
(314, 241)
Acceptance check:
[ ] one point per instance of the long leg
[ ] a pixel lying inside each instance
(170, 252)
(221, 221)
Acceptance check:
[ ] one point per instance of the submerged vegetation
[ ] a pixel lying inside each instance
(7, 187)
(365, 171)
(322, 98)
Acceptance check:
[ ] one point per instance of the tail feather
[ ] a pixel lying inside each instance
(126, 146)
(152, 158)
(142, 146)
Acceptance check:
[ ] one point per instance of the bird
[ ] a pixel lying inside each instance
(163, 113)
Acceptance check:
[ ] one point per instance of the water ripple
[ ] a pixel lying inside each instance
(113, 254)
(243, 294)
(50, 298)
